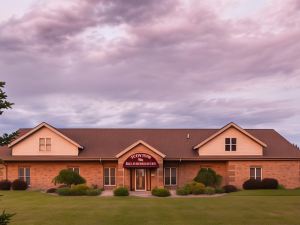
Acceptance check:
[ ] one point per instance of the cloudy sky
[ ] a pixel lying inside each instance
(158, 63)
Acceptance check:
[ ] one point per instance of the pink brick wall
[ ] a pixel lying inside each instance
(42, 173)
(286, 172)
(233, 172)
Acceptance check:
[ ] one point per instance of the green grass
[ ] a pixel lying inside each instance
(243, 208)
(295, 192)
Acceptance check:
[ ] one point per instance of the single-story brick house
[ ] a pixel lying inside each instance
(142, 159)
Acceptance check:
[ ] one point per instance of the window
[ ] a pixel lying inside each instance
(109, 176)
(74, 169)
(24, 174)
(256, 173)
(170, 176)
(45, 144)
(48, 144)
(230, 144)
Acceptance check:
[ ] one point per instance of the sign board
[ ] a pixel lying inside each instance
(141, 160)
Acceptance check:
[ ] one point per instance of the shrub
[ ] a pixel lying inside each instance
(269, 183)
(68, 177)
(5, 185)
(197, 188)
(121, 191)
(160, 192)
(183, 191)
(209, 190)
(229, 188)
(93, 192)
(208, 177)
(220, 190)
(5, 218)
(281, 187)
(51, 190)
(252, 184)
(70, 192)
(19, 185)
(80, 187)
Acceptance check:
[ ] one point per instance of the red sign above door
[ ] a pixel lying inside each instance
(140, 160)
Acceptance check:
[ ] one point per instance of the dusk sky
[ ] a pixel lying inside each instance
(158, 63)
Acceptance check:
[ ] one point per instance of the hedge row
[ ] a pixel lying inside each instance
(267, 183)
(15, 185)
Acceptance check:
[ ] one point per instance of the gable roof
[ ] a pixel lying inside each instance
(142, 143)
(38, 127)
(105, 144)
(226, 128)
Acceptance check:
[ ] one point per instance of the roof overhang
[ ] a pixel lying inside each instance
(38, 128)
(226, 128)
(142, 143)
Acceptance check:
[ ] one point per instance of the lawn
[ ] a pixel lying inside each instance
(242, 208)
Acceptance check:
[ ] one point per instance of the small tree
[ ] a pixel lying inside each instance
(208, 177)
(5, 218)
(68, 177)
(4, 105)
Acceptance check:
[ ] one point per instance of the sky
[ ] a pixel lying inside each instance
(152, 64)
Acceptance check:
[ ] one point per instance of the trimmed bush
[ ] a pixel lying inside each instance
(229, 188)
(71, 192)
(19, 185)
(209, 190)
(93, 192)
(281, 187)
(68, 177)
(5, 185)
(208, 177)
(197, 188)
(269, 183)
(80, 187)
(51, 190)
(121, 191)
(182, 191)
(252, 184)
(220, 190)
(160, 192)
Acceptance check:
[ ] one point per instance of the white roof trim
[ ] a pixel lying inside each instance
(227, 127)
(50, 128)
(142, 143)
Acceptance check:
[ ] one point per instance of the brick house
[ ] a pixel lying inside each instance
(142, 159)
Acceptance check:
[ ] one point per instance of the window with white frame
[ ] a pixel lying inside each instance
(170, 176)
(256, 173)
(24, 174)
(74, 169)
(230, 144)
(109, 176)
(45, 144)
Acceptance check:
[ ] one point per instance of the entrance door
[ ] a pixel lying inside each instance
(140, 179)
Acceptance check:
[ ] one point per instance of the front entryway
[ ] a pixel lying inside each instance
(140, 179)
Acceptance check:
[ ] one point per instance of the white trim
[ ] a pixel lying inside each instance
(24, 178)
(109, 177)
(50, 128)
(231, 144)
(145, 177)
(142, 143)
(170, 185)
(224, 129)
(255, 172)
